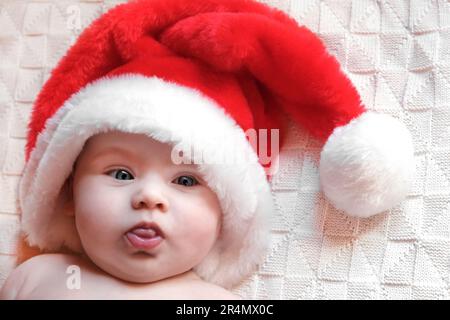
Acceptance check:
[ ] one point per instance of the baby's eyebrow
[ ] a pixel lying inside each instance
(114, 150)
(132, 155)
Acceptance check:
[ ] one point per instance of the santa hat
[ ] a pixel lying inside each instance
(202, 73)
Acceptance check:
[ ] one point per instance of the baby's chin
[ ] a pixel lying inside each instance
(140, 270)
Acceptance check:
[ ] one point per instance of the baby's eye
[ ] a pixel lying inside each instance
(187, 181)
(121, 174)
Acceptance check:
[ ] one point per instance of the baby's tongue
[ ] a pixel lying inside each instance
(144, 232)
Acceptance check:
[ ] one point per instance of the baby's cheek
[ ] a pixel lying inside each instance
(97, 209)
(200, 225)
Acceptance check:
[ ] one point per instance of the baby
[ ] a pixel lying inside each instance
(144, 223)
(206, 74)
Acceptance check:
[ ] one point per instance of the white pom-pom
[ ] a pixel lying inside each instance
(367, 166)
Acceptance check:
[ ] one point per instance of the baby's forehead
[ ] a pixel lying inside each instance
(133, 146)
(115, 138)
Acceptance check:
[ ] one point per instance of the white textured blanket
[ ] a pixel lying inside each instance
(396, 52)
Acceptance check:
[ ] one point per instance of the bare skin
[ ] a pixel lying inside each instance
(45, 277)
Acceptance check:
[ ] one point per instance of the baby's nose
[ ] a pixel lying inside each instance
(151, 197)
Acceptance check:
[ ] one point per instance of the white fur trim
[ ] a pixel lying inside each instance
(138, 104)
(367, 166)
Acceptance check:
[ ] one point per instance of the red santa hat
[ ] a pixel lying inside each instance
(192, 72)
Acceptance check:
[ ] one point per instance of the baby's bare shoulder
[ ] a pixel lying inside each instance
(30, 273)
(43, 264)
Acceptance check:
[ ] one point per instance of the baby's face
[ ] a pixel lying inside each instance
(124, 182)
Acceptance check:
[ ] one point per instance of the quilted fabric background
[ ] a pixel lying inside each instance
(396, 52)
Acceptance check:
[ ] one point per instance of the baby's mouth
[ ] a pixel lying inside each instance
(145, 236)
